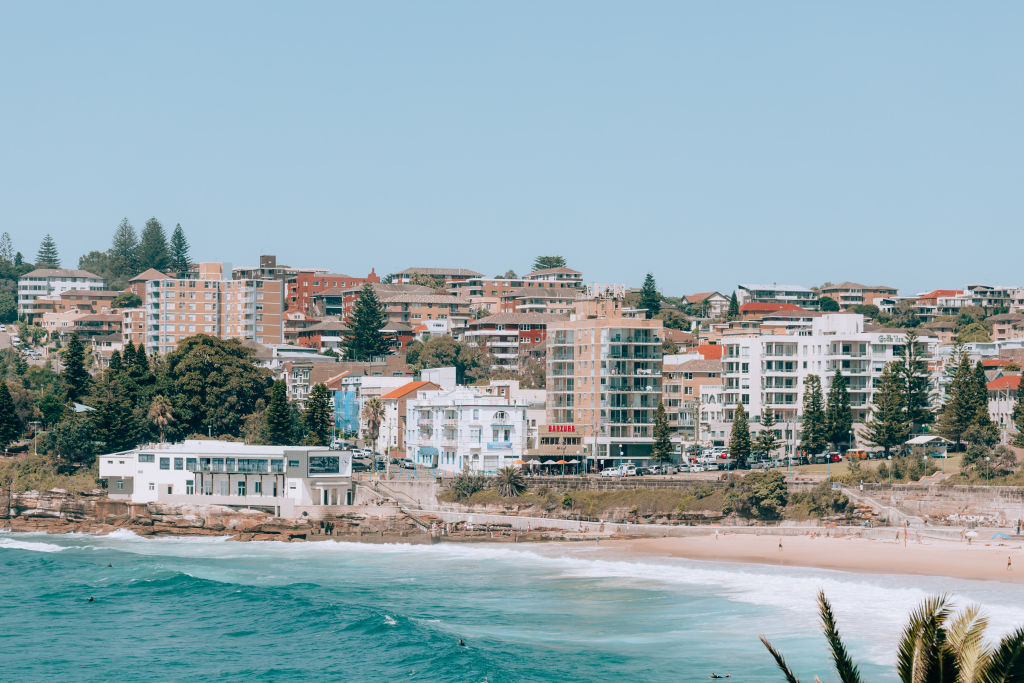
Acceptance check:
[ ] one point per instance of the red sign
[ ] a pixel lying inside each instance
(561, 428)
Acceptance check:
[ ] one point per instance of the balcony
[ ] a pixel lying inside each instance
(499, 445)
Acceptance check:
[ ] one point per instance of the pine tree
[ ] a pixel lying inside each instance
(128, 355)
(767, 440)
(76, 377)
(47, 256)
(1018, 416)
(961, 405)
(734, 308)
(277, 425)
(916, 384)
(812, 422)
(10, 424)
(317, 418)
(661, 449)
(153, 251)
(115, 361)
(180, 259)
(363, 339)
(650, 300)
(124, 252)
(545, 262)
(739, 439)
(114, 420)
(6, 248)
(888, 425)
(838, 415)
(980, 396)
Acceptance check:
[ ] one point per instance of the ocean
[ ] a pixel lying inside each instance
(207, 609)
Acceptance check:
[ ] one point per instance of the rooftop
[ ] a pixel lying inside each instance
(61, 272)
(455, 272)
(554, 271)
(150, 274)
(777, 288)
(410, 388)
(1011, 382)
(519, 319)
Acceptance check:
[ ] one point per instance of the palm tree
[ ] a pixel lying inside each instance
(161, 414)
(373, 413)
(936, 645)
(510, 482)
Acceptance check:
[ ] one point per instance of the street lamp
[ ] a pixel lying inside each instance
(987, 458)
(889, 458)
(926, 465)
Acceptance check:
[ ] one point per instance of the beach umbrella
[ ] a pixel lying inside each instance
(518, 462)
(574, 461)
(563, 463)
(1000, 535)
(533, 462)
(549, 462)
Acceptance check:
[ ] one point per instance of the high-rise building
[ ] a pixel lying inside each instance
(604, 380)
(174, 309)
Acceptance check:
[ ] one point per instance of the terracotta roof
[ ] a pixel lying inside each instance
(939, 292)
(1011, 382)
(94, 293)
(711, 351)
(701, 366)
(150, 274)
(459, 272)
(553, 271)
(417, 298)
(378, 287)
(995, 362)
(700, 296)
(61, 272)
(409, 388)
(1006, 318)
(519, 319)
(940, 325)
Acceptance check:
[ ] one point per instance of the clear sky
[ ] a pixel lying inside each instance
(709, 143)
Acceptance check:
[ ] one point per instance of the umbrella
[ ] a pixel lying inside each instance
(574, 461)
(549, 462)
(562, 462)
(971, 534)
(518, 462)
(1000, 535)
(533, 462)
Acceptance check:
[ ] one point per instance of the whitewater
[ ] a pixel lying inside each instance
(212, 609)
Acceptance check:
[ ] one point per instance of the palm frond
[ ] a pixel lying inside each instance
(1006, 664)
(918, 658)
(780, 660)
(847, 670)
(965, 639)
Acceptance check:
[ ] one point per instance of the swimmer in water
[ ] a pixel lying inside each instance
(461, 643)
(91, 599)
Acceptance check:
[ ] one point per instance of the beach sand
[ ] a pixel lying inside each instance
(982, 560)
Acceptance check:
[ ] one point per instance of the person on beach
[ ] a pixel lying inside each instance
(1009, 565)
(780, 545)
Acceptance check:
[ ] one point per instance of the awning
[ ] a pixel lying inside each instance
(428, 450)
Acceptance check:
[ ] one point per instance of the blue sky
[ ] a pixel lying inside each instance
(709, 143)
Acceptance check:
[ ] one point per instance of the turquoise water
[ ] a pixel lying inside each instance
(209, 609)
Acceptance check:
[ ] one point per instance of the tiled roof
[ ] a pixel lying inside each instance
(150, 274)
(939, 292)
(995, 362)
(94, 293)
(457, 272)
(755, 307)
(554, 271)
(61, 272)
(378, 288)
(700, 296)
(1011, 382)
(711, 351)
(519, 319)
(417, 298)
(1007, 318)
(701, 366)
(409, 388)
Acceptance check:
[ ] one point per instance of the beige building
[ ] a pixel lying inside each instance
(1007, 326)
(174, 309)
(848, 294)
(415, 308)
(683, 377)
(604, 380)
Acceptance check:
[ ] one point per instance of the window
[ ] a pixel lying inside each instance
(257, 488)
(145, 457)
(190, 464)
(152, 486)
(179, 463)
(190, 488)
(165, 463)
(241, 488)
(476, 413)
(120, 484)
(293, 463)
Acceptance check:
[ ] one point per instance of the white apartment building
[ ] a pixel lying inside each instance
(1002, 398)
(272, 478)
(52, 282)
(804, 297)
(465, 428)
(771, 369)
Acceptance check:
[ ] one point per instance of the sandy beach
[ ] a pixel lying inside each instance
(985, 560)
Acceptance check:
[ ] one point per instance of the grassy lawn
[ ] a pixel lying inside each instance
(952, 466)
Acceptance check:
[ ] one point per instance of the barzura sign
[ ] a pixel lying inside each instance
(561, 428)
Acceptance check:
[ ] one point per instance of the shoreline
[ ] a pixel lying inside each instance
(984, 561)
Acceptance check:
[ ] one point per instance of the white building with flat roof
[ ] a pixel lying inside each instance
(52, 282)
(197, 472)
(465, 428)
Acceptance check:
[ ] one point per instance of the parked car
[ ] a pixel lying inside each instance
(360, 466)
(628, 470)
(406, 464)
(711, 467)
(696, 468)
(641, 471)
(683, 468)
(611, 472)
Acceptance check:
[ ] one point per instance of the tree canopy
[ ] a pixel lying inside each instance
(739, 438)
(153, 250)
(47, 256)
(662, 449)
(545, 262)
(650, 300)
(364, 340)
(813, 438)
(888, 426)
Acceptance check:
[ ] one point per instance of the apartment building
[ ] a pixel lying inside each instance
(604, 380)
(447, 275)
(47, 283)
(174, 309)
(502, 295)
(771, 369)
(137, 285)
(548, 301)
(395, 424)
(777, 294)
(338, 302)
(306, 285)
(561, 277)
(849, 294)
(1007, 326)
(683, 377)
(508, 336)
(414, 309)
(465, 428)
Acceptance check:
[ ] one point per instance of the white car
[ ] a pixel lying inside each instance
(611, 472)
(697, 468)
